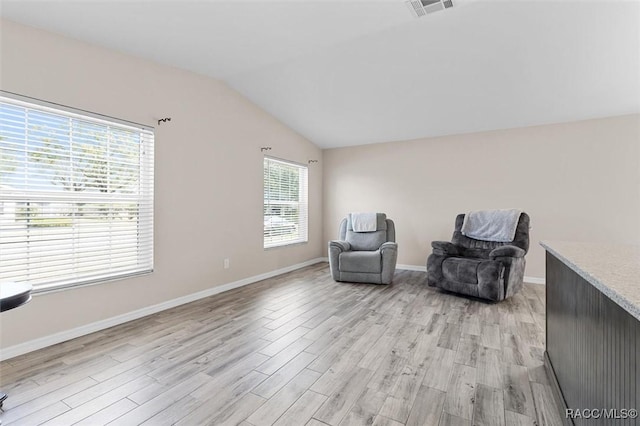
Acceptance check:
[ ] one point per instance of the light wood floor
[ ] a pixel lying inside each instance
(299, 349)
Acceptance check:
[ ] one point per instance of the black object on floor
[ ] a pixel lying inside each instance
(13, 295)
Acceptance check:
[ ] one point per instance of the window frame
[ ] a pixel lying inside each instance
(144, 199)
(303, 205)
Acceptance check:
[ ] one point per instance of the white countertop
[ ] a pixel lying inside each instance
(612, 268)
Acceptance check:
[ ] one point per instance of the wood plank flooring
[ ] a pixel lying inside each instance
(299, 349)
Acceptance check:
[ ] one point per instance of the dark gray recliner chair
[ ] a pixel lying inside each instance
(364, 257)
(487, 269)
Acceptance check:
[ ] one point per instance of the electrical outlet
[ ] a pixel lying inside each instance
(226, 263)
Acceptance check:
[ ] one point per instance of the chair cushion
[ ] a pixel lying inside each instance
(361, 261)
(472, 271)
(461, 269)
(475, 253)
(366, 240)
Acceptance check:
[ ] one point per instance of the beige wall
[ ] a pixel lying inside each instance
(579, 182)
(208, 193)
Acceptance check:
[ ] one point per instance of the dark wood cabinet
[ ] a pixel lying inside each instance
(592, 344)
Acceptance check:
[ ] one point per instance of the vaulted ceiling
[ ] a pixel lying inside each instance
(354, 72)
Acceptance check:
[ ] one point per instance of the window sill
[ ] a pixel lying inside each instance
(294, 243)
(55, 288)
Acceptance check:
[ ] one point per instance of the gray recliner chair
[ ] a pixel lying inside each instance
(487, 269)
(364, 257)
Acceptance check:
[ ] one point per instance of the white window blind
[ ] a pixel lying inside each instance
(76, 196)
(285, 203)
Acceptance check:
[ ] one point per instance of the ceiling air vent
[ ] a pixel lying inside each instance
(421, 7)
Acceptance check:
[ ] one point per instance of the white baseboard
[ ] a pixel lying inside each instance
(63, 336)
(531, 280)
(534, 280)
(419, 268)
(412, 267)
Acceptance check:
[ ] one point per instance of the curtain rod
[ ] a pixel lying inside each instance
(41, 102)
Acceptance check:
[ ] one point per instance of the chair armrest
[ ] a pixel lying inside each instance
(389, 257)
(444, 248)
(506, 251)
(388, 246)
(340, 245)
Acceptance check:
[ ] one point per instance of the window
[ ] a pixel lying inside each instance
(285, 203)
(77, 196)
